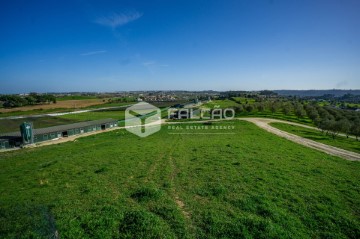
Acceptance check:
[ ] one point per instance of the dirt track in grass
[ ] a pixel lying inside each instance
(264, 124)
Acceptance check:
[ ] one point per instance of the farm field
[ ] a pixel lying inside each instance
(11, 125)
(77, 97)
(340, 141)
(39, 111)
(66, 104)
(179, 183)
(95, 115)
(243, 100)
(221, 104)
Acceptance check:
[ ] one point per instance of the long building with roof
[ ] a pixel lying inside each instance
(15, 139)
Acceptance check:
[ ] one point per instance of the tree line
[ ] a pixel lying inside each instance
(11, 101)
(329, 120)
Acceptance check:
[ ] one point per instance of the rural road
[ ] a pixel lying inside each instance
(264, 124)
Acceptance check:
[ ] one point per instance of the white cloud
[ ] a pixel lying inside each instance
(115, 20)
(149, 63)
(92, 53)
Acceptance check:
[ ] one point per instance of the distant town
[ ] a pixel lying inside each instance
(344, 99)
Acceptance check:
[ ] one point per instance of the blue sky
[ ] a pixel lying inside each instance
(120, 45)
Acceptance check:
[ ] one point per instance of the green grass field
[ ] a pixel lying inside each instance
(77, 97)
(340, 141)
(278, 115)
(243, 100)
(115, 114)
(244, 184)
(220, 104)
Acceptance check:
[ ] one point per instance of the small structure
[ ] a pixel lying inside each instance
(28, 135)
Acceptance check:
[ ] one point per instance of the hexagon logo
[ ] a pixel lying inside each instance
(143, 119)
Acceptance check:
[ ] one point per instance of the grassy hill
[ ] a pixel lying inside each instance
(244, 183)
(316, 135)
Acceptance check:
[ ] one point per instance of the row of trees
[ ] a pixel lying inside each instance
(334, 121)
(11, 101)
(286, 108)
(329, 120)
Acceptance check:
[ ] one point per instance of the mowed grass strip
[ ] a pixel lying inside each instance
(342, 142)
(117, 185)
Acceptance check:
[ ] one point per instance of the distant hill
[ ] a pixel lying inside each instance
(336, 93)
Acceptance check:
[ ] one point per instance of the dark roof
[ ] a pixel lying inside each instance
(64, 127)
(10, 135)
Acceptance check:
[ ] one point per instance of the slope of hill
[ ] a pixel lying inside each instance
(179, 183)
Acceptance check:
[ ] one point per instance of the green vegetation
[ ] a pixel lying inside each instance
(11, 101)
(329, 119)
(117, 185)
(316, 135)
(10, 125)
(60, 110)
(34, 112)
(248, 107)
(77, 97)
(95, 115)
(220, 104)
(278, 115)
(243, 100)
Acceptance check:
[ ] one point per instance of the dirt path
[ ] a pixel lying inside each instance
(264, 124)
(302, 125)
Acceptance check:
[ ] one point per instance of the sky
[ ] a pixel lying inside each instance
(83, 45)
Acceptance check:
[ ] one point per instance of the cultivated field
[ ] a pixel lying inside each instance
(65, 104)
(179, 183)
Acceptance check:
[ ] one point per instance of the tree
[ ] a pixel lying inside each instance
(345, 126)
(249, 108)
(355, 128)
(312, 114)
(334, 128)
(273, 107)
(30, 100)
(286, 108)
(260, 107)
(299, 111)
(239, 109)
(324, 124)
